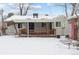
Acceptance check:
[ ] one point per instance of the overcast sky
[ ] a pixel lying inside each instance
(42, 8)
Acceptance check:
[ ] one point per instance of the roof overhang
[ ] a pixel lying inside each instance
(24, 19)
(33, 20)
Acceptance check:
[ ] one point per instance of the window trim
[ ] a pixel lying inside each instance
(58, 24)
(19, 25)
(31, 26)
(43, 25)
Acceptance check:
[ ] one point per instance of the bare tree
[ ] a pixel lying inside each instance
(20, 8)
(74, 8)
(23, 8)
(64, 5)
(3, 25)
(28, 7)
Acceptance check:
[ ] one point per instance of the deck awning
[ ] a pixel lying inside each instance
(20, 19)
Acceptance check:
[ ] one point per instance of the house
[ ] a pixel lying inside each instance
(73, 27)
(38, 25)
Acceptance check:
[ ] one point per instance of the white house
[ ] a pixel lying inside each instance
(39, 24)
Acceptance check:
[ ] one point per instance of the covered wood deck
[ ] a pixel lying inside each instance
(32, 33)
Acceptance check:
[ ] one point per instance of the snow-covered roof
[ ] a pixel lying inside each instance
(71, 17)
(18, 18)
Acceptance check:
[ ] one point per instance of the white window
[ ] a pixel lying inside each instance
(58, 24)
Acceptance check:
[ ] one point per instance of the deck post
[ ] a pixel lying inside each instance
(47, 25)
(27, 29)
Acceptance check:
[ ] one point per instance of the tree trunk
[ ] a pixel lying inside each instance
(66, 10)
(21, 5)
(73, 11)
(25, 13)
(21, 12)
(2, 23)
(74, 8)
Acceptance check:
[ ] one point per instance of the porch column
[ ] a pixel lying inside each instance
(27, 29)
(47, 25)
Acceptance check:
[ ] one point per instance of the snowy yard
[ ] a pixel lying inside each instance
(34, 45)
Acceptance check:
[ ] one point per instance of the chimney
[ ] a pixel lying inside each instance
(46, 14)
(35, 15)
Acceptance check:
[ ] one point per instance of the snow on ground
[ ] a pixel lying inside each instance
(34, 45)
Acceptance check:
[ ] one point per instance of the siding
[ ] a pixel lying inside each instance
(38, 28)
(10, 30)
(61, 30)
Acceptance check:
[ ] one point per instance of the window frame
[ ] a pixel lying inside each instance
(19, 25)
(43, 25)
(31, 26)
(58, 24)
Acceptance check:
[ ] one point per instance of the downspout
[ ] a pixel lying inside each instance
(15, 29)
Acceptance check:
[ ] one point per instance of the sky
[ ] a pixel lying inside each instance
(40, 8)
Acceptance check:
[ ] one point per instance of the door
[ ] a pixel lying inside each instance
(51, 26)
(31, 26)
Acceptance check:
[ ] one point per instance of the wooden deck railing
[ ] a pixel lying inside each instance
(22, 31)
(32, 32)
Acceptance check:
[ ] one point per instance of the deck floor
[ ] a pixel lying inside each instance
(40, 35)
